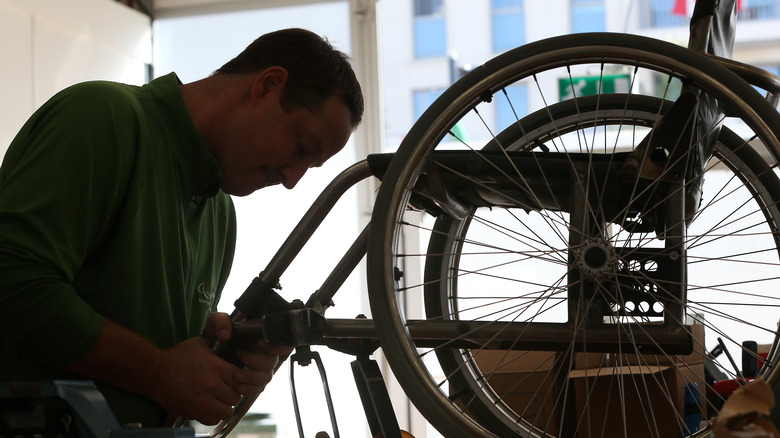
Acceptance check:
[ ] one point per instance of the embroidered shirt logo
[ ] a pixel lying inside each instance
(205, 296)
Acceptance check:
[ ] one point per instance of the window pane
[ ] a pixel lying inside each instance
(510, 109)
(661, 14)
(423, 99)
(430, 38)
(758, 10)
(424, 8)
(503, 4)
(588, 17)
(508, 31)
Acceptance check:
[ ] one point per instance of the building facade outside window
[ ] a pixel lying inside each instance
(430, 29)
(759, 10)
(508, 22)
(668, 13)
(422, 99)
(588, 16)
(671, 13)
(512, 107)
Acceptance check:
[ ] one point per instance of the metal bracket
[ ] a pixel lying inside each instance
(294, 328)
(304, 356)
(376, 402)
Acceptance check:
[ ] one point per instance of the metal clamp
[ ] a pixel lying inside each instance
(304, 356)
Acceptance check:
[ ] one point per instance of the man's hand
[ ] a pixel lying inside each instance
(195, 383)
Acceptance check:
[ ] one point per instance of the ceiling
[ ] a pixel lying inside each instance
(176, 8)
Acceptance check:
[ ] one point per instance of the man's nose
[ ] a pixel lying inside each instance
(292, 174)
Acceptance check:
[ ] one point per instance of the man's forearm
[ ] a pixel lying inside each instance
(120, 358)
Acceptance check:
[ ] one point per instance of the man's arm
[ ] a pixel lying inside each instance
(187, 379)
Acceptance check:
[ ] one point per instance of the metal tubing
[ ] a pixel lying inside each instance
(312, 219)
(643, 338)
(646, 338)
(339, 275)
(287, 253)
(542, 336)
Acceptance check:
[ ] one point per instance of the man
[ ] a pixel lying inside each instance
(117, 230)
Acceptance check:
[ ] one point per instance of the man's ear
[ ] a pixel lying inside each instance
(272, 79)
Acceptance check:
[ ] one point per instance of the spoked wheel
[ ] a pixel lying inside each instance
(466, 256)
(580, 293)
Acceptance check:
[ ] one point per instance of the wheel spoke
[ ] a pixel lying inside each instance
(588, 213)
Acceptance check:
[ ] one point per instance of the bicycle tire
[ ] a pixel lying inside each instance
(479, 86)
(450, 235)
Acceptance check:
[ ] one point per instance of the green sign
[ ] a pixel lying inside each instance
(590, 85)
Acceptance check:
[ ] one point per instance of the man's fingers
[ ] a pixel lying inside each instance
(256, 361)
(227, 394)
(218, 411)
(251, 390)
(208, 420)
(248, 381)
(218, 326)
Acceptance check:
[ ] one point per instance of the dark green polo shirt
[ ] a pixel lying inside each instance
(109, 205)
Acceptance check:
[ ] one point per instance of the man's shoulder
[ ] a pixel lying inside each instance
(159, 96)
(99, 93)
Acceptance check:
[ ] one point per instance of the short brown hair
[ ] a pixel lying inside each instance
(316, 69)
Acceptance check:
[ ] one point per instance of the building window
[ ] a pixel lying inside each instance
(587, 16)
(423, 99)
(508, 25)
(668, 13)
(512, 107)
(758, 10)
(430, 30)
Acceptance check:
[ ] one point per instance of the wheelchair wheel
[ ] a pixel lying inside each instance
(737, 172)
(579, 292)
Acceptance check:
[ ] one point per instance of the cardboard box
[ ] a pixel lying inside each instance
(696, 357)
(644, 386)
(527, 382)
(523, 379)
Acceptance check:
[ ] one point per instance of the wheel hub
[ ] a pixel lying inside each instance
(597, 259)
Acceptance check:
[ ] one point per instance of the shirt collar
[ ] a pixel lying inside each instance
(201, 173)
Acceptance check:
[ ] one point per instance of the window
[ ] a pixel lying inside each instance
(511, 107)
(508, 25)
(423, 99)
(663, 14)
(587, 16)
(758, 10)
(430, 30)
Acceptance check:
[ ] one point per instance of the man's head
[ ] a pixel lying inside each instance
(293, 102)
(316, 70)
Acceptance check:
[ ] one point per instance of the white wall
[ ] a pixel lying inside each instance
(47, 45)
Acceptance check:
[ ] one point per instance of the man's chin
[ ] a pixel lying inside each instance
(240, 192)
(245, 191)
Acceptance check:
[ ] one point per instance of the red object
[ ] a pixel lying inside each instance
(680, 7)
(762, 359)
(725, 388)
